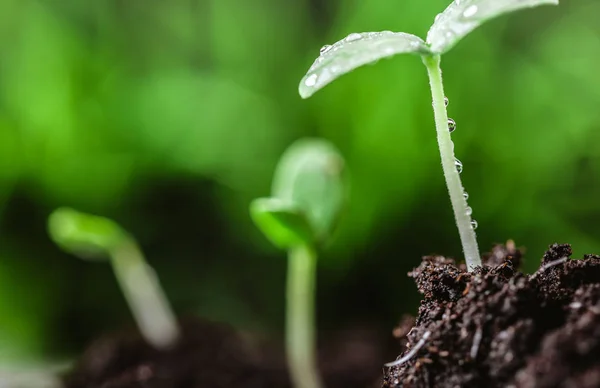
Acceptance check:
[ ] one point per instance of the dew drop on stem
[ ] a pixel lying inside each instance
(469, 211)
(466, 195)
(451, 125)
(459, 165)
(446, 101)
(474, 224)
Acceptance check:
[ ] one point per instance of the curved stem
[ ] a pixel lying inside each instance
(145, 297)
(300, 321)
(455, 188)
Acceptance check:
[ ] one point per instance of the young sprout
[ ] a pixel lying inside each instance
(98, 238)
(357, 49)
(307, 197)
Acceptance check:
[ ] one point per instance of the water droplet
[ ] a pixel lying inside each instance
(353, 36)
(437, 17)
(466, 195)
(457, 163)
(451, 125)
(469, 211)
(474, 224)
(311, 80)
(470, 11)
(325, 48)
(446, 101)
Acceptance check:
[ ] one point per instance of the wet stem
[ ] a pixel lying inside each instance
(455, 188)
(300, 321)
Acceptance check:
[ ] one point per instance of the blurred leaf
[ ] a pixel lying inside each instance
(463, 16)
(310, 174)
(84, 235)
(283, 223)
(356, 50)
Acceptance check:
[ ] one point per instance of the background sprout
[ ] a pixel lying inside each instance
(307, 197)
(357, 49)
(98, 238)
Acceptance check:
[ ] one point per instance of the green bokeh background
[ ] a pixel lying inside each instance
(169, 117)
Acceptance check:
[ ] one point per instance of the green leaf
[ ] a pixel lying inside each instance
(463, 16)
(310, 175)
(84, 235)
(354, 51)
(281, 222)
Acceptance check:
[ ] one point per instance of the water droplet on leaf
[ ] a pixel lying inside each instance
(451, 125)
(325, 48)
(353, 36)
(470, 11)
(311, 80)
(446, 101)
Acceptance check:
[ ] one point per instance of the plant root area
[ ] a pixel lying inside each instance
(497, 327)
(214, 355)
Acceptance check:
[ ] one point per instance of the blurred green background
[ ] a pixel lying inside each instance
(169, 116)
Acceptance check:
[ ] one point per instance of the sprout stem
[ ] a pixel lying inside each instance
(455, 188)
(143, 293)
(300, 321)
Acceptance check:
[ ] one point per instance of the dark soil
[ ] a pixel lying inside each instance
(212, 355)
(495, 327)
(498, 327)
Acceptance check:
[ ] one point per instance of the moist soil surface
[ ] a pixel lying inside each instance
(497, 327)
(214, 355)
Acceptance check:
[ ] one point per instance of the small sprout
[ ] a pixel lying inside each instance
(98, 238)
(358, 49)
(307, 197)
(308, 193)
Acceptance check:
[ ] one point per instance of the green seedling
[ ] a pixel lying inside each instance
(307, 197)
(99, 239)
(357, 49)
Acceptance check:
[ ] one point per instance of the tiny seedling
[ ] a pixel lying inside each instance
(98, 238)
(307, 196)
(357, 49)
